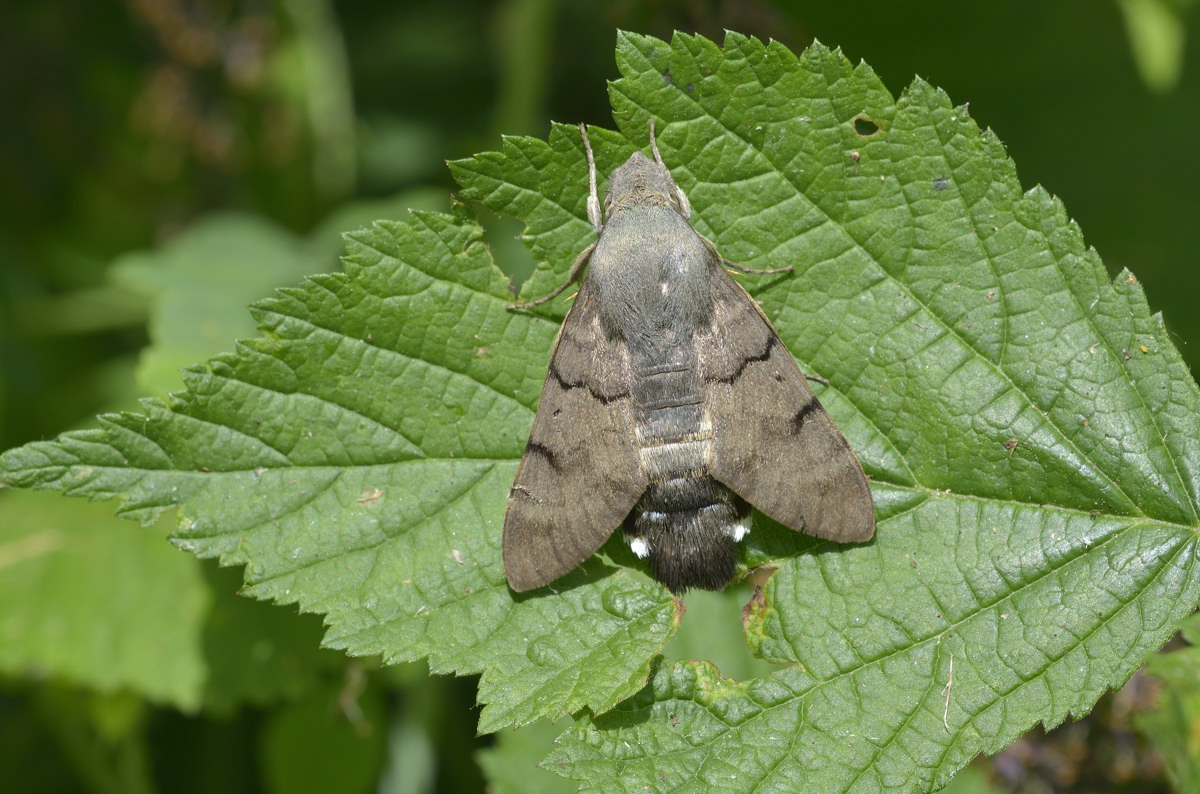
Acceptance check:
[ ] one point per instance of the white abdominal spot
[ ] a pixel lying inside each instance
(639, 547)
(739, 530)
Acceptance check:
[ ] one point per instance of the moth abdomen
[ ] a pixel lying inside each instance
(687, 528)
(686, 524)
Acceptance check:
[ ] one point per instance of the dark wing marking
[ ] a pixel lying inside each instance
(580, 474)
(774, 445)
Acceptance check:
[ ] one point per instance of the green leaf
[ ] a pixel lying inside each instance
(111, 607)
(512, 764)
(1029, 429)
(98, 602)
(331, 741)
(1157, 31)
(254, 655)
(201, 282)
(714, 630)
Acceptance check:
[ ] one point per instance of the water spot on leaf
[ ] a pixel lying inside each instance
(545, 652)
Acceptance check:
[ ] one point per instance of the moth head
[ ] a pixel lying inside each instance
(642, 182)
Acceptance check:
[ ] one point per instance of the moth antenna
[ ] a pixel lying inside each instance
(593, 207)
(685, 206)
(654, 145)
(559, 290)
(593, 202)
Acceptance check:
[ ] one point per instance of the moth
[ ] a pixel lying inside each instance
(669, 408)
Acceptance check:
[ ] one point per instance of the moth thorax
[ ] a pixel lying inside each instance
(687, 528)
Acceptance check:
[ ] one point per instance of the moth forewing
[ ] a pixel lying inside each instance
(670, 406)
(579, 476)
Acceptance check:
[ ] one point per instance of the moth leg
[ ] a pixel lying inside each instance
(754, 271)
(576, 268)
(712, 249)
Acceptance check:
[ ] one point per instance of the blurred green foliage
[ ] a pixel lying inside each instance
(142, 140)
(1174, 726)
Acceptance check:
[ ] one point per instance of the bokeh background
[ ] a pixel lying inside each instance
(164, 163)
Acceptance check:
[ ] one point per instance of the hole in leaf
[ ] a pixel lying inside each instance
(864, 127)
